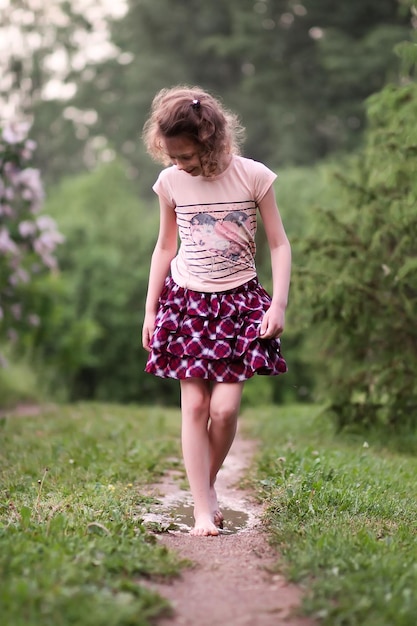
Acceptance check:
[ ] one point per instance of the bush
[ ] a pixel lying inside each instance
(359, 277)
(92, 342)
(27, 238)
(298, 190)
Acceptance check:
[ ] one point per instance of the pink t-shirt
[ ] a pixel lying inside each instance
(216, 220)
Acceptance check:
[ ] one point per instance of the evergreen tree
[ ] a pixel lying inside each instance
(358, 286)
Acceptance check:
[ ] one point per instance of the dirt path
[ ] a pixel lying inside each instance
(231, 581)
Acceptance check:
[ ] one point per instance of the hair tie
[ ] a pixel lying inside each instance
(196, 104)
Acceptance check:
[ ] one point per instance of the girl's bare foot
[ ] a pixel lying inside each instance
(204, 527)
(217, 514)
(218, 518)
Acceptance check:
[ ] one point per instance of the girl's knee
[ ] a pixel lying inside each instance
(224, 415)
(195, 401)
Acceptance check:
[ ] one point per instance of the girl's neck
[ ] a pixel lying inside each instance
(223, 164)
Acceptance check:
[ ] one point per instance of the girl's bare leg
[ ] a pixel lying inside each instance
(195, 407)
(224, 410)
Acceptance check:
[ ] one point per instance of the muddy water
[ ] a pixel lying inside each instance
(179, 517)
(173, 511)
(234, 521)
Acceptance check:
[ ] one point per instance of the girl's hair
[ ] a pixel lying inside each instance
(192, 112)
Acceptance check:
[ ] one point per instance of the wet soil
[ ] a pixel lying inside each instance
(235, 578)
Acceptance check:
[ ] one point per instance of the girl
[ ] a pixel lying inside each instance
(209, 323)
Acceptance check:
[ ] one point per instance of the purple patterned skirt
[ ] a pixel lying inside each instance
(213, 335)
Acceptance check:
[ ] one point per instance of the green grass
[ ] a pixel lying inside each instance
(74, 482)
(342, 511)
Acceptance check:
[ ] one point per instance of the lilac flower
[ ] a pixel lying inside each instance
(11, 172)
(45, 222)
(8, 193)
(47, 241)
(7, 245)
(12, 335)
(49, 261)
(30, 180)
(32, 250)
(7, 211)
(26, 154)
(19, 276)
(27, 228)
(33, 319)
(15, 132)
(30, 145)
(16, 310)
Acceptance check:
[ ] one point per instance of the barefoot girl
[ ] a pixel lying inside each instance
(208, 322)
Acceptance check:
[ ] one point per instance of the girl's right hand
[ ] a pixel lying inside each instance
(147, 330)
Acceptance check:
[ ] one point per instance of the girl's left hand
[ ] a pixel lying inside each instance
(147, 330)
(273, 323)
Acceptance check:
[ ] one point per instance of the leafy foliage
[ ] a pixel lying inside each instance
(94, 308)
(297, 72)
(360, 274)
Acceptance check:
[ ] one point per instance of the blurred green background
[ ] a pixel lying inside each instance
(327, 94)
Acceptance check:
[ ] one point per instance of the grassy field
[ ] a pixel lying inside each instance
(343, 513)
(73, 487)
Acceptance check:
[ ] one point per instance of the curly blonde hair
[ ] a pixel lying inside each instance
(192, 112)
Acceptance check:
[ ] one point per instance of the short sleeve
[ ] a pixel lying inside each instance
(163, 187)
(263, 179)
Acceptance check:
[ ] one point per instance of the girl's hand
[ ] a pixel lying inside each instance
(273, 323)
(147, 330)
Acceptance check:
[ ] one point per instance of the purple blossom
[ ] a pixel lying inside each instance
(33, 319)
(11, 172)
(19, 276)
(6, 210)
(30, 145)
(12, 335)
(15, 132)
(45, 222)
(7, 245)
(32, 251)
(8, 193)
(47, 241)
(49, 261)
(16, 310)
(30, 180)
(27, 228)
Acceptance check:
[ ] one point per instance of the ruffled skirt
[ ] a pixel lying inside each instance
(214, 336)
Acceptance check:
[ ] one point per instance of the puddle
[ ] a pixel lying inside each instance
(180, 518)
(233, 520)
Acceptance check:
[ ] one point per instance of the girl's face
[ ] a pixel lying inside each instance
(184, 153)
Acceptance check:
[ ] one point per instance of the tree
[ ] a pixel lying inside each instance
(296, 72)
(91, 343)
(358, 286)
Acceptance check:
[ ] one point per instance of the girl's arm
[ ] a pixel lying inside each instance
(164, 251)
(274, 319)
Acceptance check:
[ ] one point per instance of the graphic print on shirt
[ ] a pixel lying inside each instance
(220, 238)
